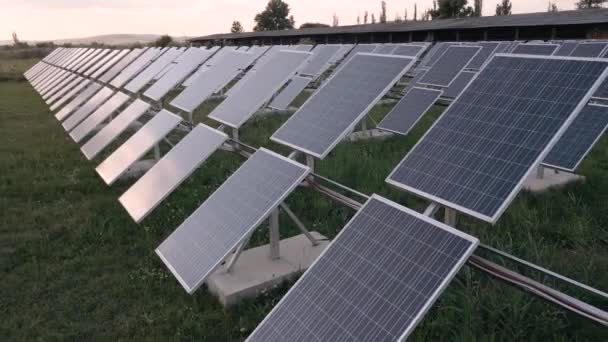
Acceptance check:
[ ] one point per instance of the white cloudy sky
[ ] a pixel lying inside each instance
(56, 19)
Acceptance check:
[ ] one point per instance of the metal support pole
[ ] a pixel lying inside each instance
(540, 172)
(364, 124)
(235, 134)
(299, 223)
(190, 117)
(431, 210)
(310, 162)
(450, 217)
(293, 155)
(156, 152)
(274, 234)
(237, 254)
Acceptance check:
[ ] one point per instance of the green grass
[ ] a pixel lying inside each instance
(12, 69)
(73, 265)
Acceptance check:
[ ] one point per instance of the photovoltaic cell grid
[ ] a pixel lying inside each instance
(289, 93)
(137, 145)
(319, 62)
(228, 216)
(171, 170)
(478, 152)
(449, 65)
(566, 49)
(589, 49)
(535, 49)
(436, 52)
(115, 128)
(406, 113)
(359, 48)
(461, 81)
(64, 90)
(586, 129)
(487, 51)
(258, 89)
(374, 282)
(335, 108)
(408, 50)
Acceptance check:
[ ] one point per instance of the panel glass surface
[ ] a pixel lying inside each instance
(109, 63)
(566, 49)
(535, 49)
(137, 146)
(101, 62)
(70, 94)
(406, 113)
(120, 65)
(115, 128)
(408, 50)
(258, 89)
(98, 116)
(476, 155)
(449, 65)
(341, 102)
(319, 62)
(374, 282)
(586, 129)
(487, 51)
(87, 108)
(289, 93)
(171, 170)
(142, 79)
(134, 68)
(461, 81)
(589, 49)
(83, 96)
(231, 213)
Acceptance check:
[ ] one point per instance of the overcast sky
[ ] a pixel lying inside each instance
(57, 19)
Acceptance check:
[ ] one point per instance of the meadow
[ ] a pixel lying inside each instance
(74, 266)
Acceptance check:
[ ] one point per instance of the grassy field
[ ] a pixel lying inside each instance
(12, 69)
(73, 265)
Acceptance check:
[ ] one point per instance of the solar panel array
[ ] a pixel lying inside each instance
(344, 99)
(586, 129)
(374, 282)
(477, 153)
(408, 111)
(232, 212)
(589, 49)
(487, 50)
(289, 93)
(102, 113)
(121, 65)
(134, 67)
(87, 108)
(566, 48)
(536, 49)
(319, 62)
(459, 83)
(449, 65)
(83, 96)
(141, 80)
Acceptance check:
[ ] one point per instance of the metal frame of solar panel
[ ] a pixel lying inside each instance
(210, 81)
(171, 170)
(351, 85)
(449, 65)
(225, 220)
(585, 131)
(237, 108)
(137, 146)
(589, 49)
(409, 110)
(468, 176)
(460, 82)
(374, 282)
(535, 49)
(115, 128)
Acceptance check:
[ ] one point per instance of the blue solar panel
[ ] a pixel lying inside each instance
(374, 282)
(404, 116)
(449, 65)
(535, 49)
(589, 49)
(586, 129)
(477, 154)
(461, 81)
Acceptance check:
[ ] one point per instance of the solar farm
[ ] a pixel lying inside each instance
(335, 192)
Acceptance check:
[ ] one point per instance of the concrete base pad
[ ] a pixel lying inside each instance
(368, 135)
(254, 271)
(551, 179)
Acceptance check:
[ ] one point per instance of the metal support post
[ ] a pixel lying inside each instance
(237, 254)
(450, 217)
(275, 237)
(235, 134)
(156, 152)
(540, 172)
(293, 155)
(431, 210)
(310, 162)
(299, 223)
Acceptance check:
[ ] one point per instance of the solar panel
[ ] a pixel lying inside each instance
(404, 116)
(342, 101)
(142, 79)
(137, 145)
(438, 50)
(535, 49)
(343, 51)
(449, 65)
(319, 62)
(98, 116)
(109, 63)
(216, 77)
(216, 58)
(289, 93)
(178, 73)
(76, 62)
(87, 108)
(86, 94)
(461, 81)
(81, 67)
(374, 282)
(385, 49)
(115, 128)
(135, 67)
(409, 50)
(121, 65)
(59, 86)
(58, 101)
(166, 175)
(89, 65)
(228, 216)
(487, 50)
(578, 140)
(477, 154)
(589, 49)
(102, 60)
(359, 48)
(566, 48)
(258, 89)
(58, 74)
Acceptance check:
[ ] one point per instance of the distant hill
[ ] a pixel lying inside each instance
(109, 39)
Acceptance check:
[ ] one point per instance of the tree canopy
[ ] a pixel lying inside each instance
(274, 17)
(237, 27)
(588, 4)
(504, 8)
(452, 9)
(312, 25)
(163, 41)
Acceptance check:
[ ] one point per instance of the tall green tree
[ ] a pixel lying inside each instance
(365, 17)
(312, 25)
(504, 8)
(477, 10)
(452, 9)
(552, 7)
(274, 17)
(415, 12)
(237, 27)
(163, 41)
(382, 17)
(588, 4)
